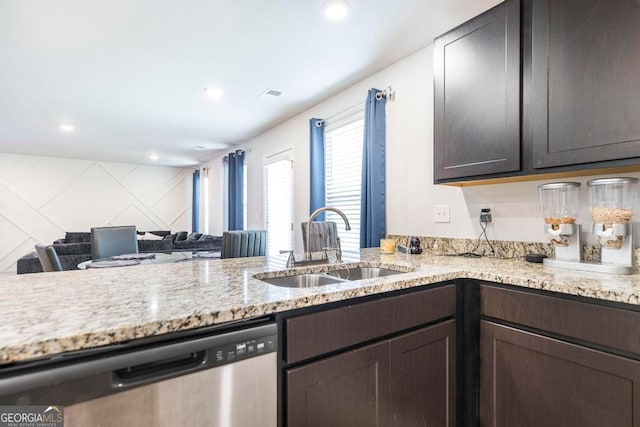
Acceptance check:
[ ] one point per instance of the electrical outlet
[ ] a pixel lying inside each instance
(441, 213)
(486, 213)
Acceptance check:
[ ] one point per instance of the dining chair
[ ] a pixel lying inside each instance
(244, 243)
(48, 258)
(110, 241)
(324, 234)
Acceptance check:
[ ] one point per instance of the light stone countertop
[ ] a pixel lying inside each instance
(51, 313)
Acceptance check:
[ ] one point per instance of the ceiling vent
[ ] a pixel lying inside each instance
(270, 94)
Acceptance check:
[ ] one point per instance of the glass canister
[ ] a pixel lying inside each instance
(559, 202)
(612, 202)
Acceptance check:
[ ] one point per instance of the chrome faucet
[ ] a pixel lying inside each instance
(347, 226)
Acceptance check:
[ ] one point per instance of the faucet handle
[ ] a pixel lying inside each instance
(333, 250)
(291, 260)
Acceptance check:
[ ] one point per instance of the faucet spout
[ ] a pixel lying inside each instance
(347, 226)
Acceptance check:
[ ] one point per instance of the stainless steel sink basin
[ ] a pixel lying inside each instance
(322, 278)
(361, 273)
(303, 280)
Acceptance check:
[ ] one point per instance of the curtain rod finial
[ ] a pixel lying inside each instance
(388, 93)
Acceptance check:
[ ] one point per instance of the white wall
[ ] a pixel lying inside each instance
(411, 193)
(43, 197)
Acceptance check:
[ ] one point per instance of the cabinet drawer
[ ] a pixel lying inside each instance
(608, 326)
(319, 333)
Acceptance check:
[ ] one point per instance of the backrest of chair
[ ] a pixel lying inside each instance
(48, 258)
(110, 241)
(324, 234)
(244, 243)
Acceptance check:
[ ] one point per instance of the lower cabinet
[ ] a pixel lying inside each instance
(532, 380)
(422, 377)
(405, 381)
(526, 359)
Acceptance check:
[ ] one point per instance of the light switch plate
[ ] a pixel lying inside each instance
(441, 213)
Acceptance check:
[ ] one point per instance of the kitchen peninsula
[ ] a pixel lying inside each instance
(46, 315)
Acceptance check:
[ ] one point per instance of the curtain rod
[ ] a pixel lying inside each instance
(388, 93)
(339, 113)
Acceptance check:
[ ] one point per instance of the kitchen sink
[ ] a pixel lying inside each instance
(361, 273)
(303, 280)
(322, 278)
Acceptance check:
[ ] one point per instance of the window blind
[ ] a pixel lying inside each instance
(279, 205)
(343, 170)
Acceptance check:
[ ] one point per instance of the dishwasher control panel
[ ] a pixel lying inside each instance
(239, 350)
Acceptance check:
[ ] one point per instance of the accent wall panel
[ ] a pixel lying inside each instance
(43, 197)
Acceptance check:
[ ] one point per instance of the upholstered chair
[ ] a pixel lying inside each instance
(48, 258)
(109, 241)
(244, 243)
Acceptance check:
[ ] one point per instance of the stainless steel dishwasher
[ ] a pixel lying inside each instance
(223, 379)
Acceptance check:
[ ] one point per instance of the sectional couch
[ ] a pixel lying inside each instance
(76, 247)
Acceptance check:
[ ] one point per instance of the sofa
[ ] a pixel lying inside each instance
(76, 247)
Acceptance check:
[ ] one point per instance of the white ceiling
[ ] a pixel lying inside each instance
(130, 74)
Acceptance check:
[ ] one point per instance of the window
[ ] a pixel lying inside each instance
(278, 181)
(343, 171)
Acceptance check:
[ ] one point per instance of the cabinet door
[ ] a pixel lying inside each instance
(586, 80)
(531, 380)
(422, 377)
(349, 389)
(477, 95)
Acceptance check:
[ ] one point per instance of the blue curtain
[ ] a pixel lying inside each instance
(195, 202)
(373, 206)
(317, 179)
(236, 190)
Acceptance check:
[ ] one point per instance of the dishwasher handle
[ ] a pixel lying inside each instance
(144, 373)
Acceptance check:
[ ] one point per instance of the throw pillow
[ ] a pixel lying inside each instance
(77, 237)
(182, 235)
(193, 236)
(171, 237)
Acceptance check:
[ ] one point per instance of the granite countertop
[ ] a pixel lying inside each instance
(48, 314)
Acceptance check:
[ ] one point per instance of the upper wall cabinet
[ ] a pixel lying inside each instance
(477, 95)
(585, 81)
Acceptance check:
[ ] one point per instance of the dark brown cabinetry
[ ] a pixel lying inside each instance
(477, 95)
(547, 360)
(422, 377)
(351, 389)
(406, 381)
(586, 75)
(568, 103)
(532, 380)
(386, 362)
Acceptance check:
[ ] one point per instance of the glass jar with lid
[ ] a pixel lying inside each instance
(612, 203)
(559, 203)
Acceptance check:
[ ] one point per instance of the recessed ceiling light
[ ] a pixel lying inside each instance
(335, 9)
(153, 157)
(213, 92)
(65, 127)
(199, 147)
